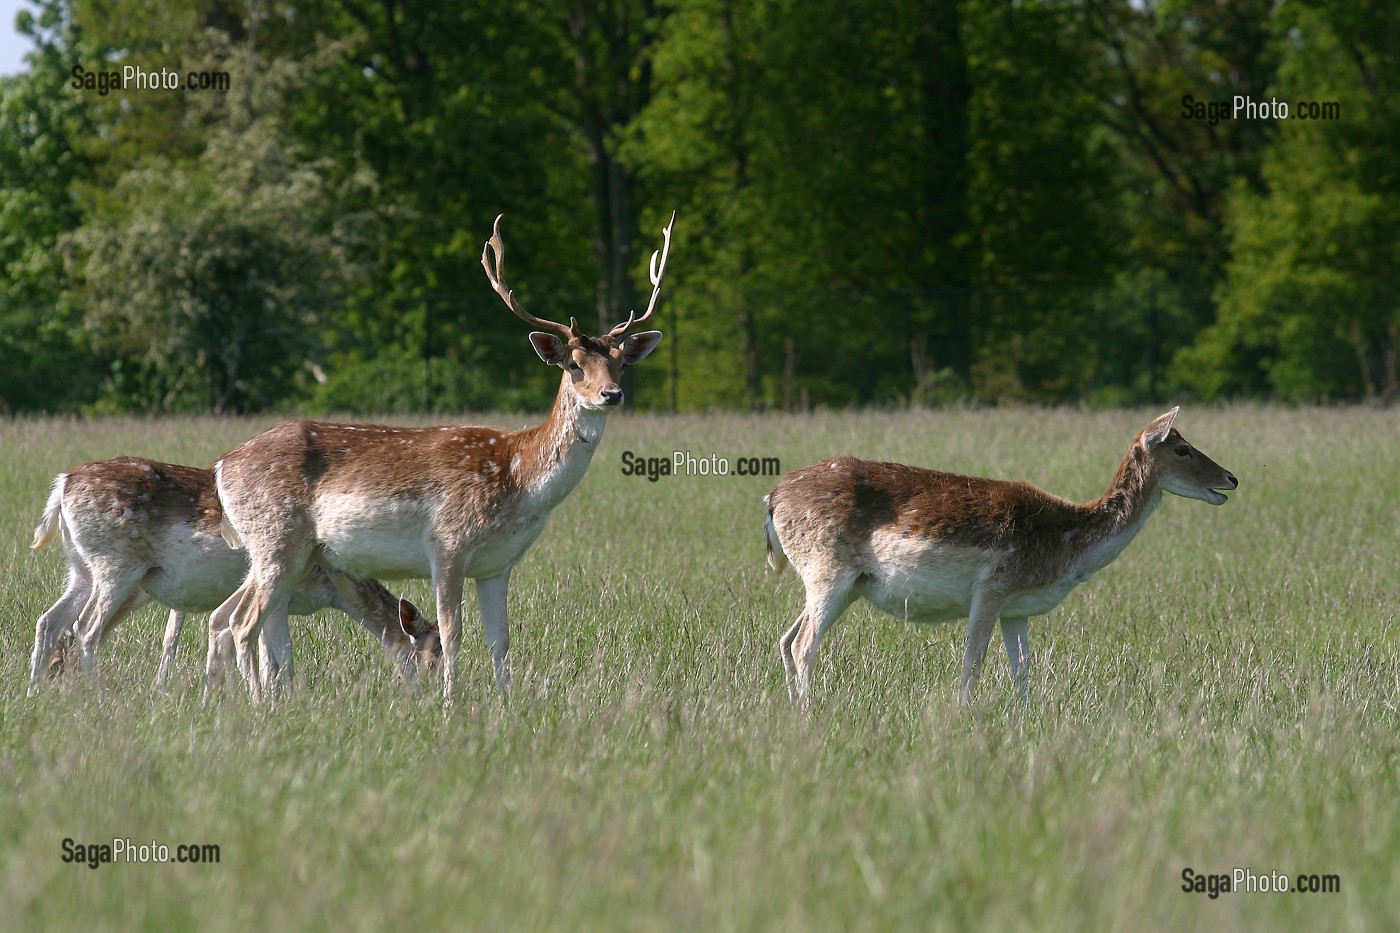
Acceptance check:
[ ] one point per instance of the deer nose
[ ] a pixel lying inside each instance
(612, 395)
(1234, 483)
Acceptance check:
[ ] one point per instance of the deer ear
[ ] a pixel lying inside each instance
(636, 347)
(1157, 432)
(412, 621)
(549, 347)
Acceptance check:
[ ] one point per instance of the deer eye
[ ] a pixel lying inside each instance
(573, 365)
(1183, 451)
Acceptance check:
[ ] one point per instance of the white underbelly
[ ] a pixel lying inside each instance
(919, 581)
(187, 594)
(197, 572)
(386, 540)
(374, 537)
(936, 583)
(928, 597)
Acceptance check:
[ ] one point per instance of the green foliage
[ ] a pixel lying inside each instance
(791, 135)
(1007, 192)
(207, 279)
(1309, 310)
(1041, 226)
(44, 134)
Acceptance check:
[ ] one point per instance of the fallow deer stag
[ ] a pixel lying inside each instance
(936, 547)
(136, 530)
(449, 503)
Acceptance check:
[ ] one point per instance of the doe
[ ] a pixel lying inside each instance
(135, 530)
(449, 503)
(935, 547)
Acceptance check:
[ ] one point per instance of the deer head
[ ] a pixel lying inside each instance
(424, 635)
(1180, 467)
(593, 364)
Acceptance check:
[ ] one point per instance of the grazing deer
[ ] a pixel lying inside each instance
(136, 530)
(936, 547)
(449, 503)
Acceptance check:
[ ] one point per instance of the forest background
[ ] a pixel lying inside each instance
(896, 203)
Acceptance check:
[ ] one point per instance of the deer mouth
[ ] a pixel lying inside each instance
(1219, 497)
(1217, 493)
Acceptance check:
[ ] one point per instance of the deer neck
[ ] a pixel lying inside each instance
(1114, 518)
(555, 455)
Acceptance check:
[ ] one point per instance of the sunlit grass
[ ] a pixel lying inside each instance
(1223, 696)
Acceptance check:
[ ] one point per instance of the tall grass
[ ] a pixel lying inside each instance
(1223, 696)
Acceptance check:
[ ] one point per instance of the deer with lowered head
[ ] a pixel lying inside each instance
(135, 530)
(936, 547)
(449, 503)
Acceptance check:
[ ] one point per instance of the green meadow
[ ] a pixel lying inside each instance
(1223, 696)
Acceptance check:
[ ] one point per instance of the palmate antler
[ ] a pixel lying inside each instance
(658, 271)
(495, 249)
(498, 282)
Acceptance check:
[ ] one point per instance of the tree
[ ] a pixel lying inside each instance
(207, 283)
(1173, 176)
(1043, 226)
(44, 142)
(456, 111)
(1308, 310)
(817, 189)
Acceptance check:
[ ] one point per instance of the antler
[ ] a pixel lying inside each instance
(498, 282)
(657, 273)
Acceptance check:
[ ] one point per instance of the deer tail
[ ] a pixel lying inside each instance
(53, 514)
(776, 557)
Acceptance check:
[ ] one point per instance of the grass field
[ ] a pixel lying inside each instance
(1223, 696)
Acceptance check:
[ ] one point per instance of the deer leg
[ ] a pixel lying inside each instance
(56, 621)
(447, 594)
(491, 596)
(110, 604)
(173, 625)
(1015, 635)
(826, 600)
(268, 589)
(220, 650)
(980, 619)
(275, 649)
(135, 600)
(785, 652)
(245, 626)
